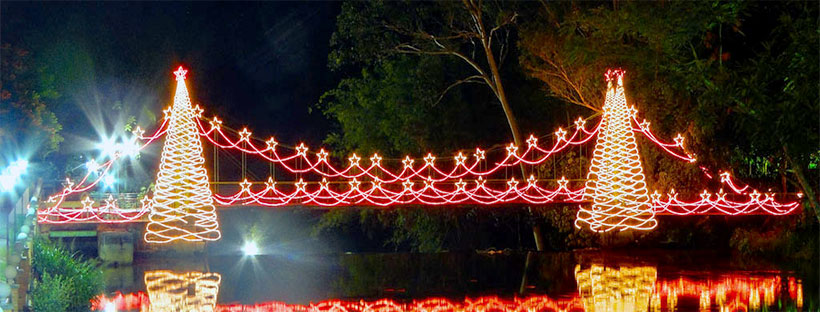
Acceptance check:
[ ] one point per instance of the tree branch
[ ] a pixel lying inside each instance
(410, 49)
(471, 79)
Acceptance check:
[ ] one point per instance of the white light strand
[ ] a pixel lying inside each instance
(183, 206)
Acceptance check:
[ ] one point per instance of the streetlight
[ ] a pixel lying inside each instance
(112, 147)
(250, 249)
(108, 147)
(130, 148)
(10, 175)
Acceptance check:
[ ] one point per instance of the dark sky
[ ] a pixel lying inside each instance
(259, 64)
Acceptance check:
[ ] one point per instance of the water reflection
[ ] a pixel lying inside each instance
(595, 285)
(636, 288)
(191, 291)
(608, 289)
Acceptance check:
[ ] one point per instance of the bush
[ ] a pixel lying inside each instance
(84, 279)
(51, 293)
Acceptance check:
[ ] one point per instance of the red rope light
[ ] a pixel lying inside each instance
(460, 179)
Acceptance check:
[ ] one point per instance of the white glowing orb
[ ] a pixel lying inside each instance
(92, 165)
(250, 249)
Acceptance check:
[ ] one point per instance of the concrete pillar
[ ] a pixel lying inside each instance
(116, 247)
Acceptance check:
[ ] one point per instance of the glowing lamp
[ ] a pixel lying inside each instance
(250, 249)
(130, 148)
(18, 168)
(108, 147)
(10, 176)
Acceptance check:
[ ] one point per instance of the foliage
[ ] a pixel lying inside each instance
(738, 78)
(416, 87)
(795, 236)
(371, 32)
(26, 94)
(416, 229)
(52, 293)
(83, 278)
(391, 109)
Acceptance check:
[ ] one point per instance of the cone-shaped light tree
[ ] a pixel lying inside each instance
(183, 208)
(615, 182)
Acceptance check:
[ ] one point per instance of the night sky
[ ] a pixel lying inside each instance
(261, 65)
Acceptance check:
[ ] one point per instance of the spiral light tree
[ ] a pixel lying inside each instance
(615, 181)
(183, 207)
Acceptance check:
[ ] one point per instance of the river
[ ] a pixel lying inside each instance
(590, 280)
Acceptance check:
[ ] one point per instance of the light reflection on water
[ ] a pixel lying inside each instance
(459, 282)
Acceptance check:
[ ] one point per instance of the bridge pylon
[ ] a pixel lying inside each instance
(183, 206)
(615, 181)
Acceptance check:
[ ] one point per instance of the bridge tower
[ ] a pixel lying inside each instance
(616, 183)
(183, 208)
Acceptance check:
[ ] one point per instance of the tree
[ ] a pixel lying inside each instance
(391, 109)
(474, 34)
(27, 123)
(738, 78)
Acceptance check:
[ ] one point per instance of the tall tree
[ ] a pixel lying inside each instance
(738, 78)
(27, 123)
(475, 34)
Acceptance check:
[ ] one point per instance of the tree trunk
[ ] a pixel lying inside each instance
(505, 105)
(808, 191)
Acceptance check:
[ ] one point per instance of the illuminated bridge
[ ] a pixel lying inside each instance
(614, 195)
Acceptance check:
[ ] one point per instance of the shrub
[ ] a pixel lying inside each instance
(83, 276)
(51, 293)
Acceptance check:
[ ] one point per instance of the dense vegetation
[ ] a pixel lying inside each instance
(28, 123)
(738, 79)
(62, 280)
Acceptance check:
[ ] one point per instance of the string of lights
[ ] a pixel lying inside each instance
(615, 181)
(182, 207)
(462, 179)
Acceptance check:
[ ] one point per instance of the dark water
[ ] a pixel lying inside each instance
(578, 281)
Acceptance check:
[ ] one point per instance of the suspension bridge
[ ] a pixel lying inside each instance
(613, 197)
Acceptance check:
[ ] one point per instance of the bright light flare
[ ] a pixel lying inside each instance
(250, 249)
(131, 148)
(92, 165)
(111, 147)
(107, 147)
(109, 181)
(7, 182)
(12, 174)
(18, 168)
